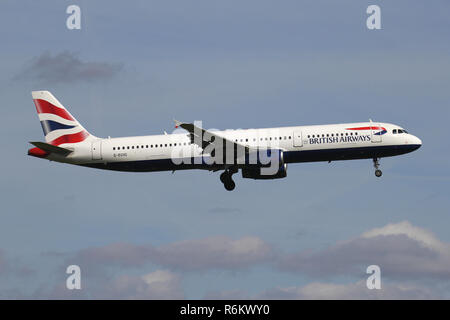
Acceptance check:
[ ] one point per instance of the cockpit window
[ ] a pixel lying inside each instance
(394, 131)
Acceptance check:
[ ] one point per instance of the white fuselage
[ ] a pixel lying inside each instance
(299, 144)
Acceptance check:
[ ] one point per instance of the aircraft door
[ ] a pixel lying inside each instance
(298, 142)
(97, 150)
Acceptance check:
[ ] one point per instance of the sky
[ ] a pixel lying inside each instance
(135, 66)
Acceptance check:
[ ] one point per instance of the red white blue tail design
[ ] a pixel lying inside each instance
(59, 126)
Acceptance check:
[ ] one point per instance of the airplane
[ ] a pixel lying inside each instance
(258, 153)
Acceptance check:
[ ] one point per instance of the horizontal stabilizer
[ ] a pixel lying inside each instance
(51, 148)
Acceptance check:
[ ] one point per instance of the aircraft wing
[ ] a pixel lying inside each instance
(204, 138)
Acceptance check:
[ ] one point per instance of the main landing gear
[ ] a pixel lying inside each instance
(227, 180)
(376, 164)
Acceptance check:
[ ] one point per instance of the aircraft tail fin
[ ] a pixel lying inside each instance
(59, 126)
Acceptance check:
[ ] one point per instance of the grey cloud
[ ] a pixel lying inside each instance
(159, 284)
(358, 290)
(333, 291)
(66, 67)
(227, 295)
(215, 252)
(401, 250)
(122, 254)
(202, 254)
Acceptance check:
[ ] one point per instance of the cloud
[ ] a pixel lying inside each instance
(227, 295)
(203, 254)
(215, 252)
(66, 67)
(122, 254)
(357, 290)
(159, 284)
(401, 250)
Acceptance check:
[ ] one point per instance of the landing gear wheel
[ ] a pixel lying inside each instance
(224, 176)
(229, 185)
(376, 164)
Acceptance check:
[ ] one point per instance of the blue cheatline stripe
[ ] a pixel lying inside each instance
(49, 126)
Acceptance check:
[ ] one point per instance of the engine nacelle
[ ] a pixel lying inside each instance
(257, 174)
(265, 164)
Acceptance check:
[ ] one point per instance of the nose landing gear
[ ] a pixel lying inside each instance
(227, 180)
(376, 164)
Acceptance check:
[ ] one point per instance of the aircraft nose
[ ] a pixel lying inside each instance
(416, 142)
